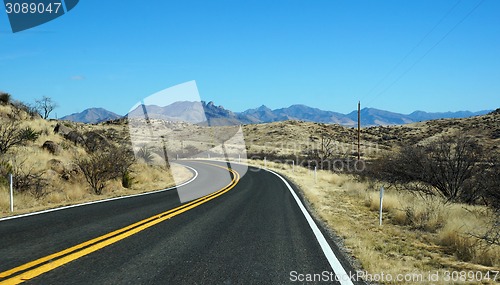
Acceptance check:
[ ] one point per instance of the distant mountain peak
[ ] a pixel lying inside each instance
(263, 107)
(92, 116)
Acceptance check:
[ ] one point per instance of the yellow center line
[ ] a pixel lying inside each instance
(92, 241)
(95, 244)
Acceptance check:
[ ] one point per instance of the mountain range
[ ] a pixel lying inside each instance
(196, 112)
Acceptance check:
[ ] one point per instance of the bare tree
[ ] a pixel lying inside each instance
(125, 158)
(12, 134)
(104, 165)
(320, 154)
(97, 170)
(448, 167)
(45, 106)
(451, 165)
(9, 135)
(327, 148)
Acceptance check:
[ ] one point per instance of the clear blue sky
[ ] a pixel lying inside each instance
(395, 55)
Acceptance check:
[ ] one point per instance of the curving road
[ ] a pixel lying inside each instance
(251, 231)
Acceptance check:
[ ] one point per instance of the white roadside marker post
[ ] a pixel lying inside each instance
(381, 203)
(293, 165)
(265, 162)
(11, 193)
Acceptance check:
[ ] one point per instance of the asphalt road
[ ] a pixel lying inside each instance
(254, 233)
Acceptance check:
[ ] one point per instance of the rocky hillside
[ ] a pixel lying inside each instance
(296, 137)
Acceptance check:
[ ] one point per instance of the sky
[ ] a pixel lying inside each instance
(399, 56)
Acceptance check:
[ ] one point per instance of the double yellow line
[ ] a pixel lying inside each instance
(45, 264)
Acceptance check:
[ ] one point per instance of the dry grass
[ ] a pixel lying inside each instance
(389, 203)
(146, 178)
(419, 235)
(63, 189)
(155, 177)
(458, 236)
(4, 198)
(61, 192)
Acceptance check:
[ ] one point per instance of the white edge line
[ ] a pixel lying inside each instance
(339, 270)
(104, 200)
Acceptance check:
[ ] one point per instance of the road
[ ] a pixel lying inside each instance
(251, 231)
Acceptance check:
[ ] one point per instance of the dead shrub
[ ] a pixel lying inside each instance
(26, 179)
(104, 165)
(464, 248)
(429, 216)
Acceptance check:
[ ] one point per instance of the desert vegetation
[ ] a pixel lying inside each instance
(420, 234)
(441, 206)
(454, 167)
(57, 163)
(103, 165)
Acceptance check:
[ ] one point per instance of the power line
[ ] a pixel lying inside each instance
(428, 51)
(413, 49)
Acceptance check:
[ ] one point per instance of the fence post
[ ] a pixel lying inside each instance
(381, 203)
(11, 193)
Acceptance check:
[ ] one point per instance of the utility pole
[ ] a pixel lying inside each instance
(167, 165)
(359, 127)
